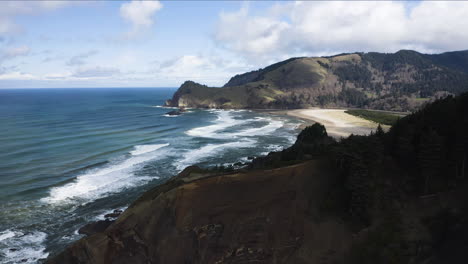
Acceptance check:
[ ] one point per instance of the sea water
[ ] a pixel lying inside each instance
(69, 156)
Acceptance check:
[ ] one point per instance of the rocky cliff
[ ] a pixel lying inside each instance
(259, 216)
(400, 81)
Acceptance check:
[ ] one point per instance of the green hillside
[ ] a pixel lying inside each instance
(400, 81)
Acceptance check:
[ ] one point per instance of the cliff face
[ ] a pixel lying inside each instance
(401, 81)
(260, 216)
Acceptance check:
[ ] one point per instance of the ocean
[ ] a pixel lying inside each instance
(70, 156)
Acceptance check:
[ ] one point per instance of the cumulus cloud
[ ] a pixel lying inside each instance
(140, 13)
(80, 59)
(327, 27)
(211, 70)
(254, 34)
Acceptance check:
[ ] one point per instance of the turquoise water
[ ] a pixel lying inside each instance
(69, 156)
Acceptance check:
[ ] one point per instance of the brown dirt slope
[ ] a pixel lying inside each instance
(261, 216)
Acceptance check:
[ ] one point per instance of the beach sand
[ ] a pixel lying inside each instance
(336, 121)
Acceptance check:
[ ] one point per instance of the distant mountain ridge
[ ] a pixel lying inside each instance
(400, 81)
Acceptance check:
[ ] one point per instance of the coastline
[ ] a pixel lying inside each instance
(336, 121)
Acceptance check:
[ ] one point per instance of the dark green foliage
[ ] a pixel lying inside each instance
(325, 65)
(375, 116)
(313, 141)
(449, 232)
(356, 156)
(312, 134)
(354, 72)
(379, 132)
(433, 144)
(434, 72)
(388, 62)
(353, 97)
(423, 155)
(383, 244)
(325, 99)
(457, 60)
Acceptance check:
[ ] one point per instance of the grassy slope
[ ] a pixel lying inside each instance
(383, 118)
(394, 82)
(304, 72)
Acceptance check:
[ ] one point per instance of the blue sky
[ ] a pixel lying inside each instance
(163, 43)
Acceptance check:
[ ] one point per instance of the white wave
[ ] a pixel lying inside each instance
(142, 149)
(6, 234)
(19, 247)
(272, 126)
(193, 156)
(163, 106)
(223, 121)
(272, 148)
(96, 183)
(226, 120)
(166, 115)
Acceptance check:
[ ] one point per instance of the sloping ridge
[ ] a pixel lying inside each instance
(400, 81)
(255, 76)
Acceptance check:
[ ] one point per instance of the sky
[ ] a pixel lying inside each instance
(61, 44)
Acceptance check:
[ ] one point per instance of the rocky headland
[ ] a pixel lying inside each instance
(401, 81)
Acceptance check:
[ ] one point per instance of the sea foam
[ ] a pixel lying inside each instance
(226, 120)
(96, 183)
(142, 149)
(19, 247)
(197, 155)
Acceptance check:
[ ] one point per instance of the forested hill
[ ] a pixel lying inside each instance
(400, 81)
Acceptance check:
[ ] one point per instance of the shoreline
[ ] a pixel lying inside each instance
(338, 123)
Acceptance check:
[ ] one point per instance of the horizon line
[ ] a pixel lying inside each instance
(97, 87)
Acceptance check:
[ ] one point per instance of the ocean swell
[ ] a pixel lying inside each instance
(226, 120)
(197, 155)
(96, 183)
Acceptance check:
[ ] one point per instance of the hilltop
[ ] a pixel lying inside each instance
(400, 81)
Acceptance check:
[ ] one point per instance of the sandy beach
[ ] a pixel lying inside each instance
(336, 121)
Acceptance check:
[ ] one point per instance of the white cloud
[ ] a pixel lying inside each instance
(17, 76)
(10, 9)
(81, 74)
(239, 32)
(140, 13)
(328, 27)
(211, 70)
(80, 59)
(16, 51)
(12, 52)
(96, 72)
(57, 76)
